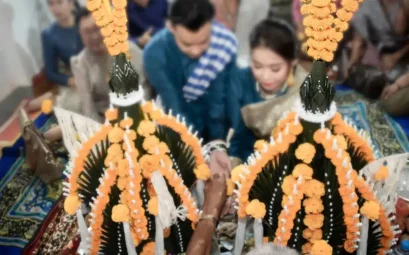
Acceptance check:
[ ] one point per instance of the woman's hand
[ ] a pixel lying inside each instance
(220, 163)
(390, 90)
(215, 195)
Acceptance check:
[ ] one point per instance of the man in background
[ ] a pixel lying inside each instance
(188, 64)
(145, 19)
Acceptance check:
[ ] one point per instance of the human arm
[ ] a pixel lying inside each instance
(158, 75)
(50, 56)
(400, 83)
(232, 9)
(215, 198)
(82, 81)
(357, 49)
(297, 17)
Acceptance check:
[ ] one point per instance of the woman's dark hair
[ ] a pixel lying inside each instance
(80, 14)
(276, 35)
(191, 14)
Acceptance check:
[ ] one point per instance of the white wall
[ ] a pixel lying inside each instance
(21, 23)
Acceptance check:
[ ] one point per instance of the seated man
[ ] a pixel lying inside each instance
(91, 67)
(188, 64)
(91, 72)
(145, 18)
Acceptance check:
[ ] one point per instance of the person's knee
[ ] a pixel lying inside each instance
(396, 105)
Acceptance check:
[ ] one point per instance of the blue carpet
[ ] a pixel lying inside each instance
(403, 121)
(24, 200)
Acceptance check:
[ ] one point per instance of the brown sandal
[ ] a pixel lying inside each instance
(39, 155)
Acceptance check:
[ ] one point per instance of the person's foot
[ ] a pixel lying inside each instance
(35, 104)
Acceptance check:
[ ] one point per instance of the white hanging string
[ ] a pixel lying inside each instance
(83, 230)
(167, 208)
(258, 233)
(159, 242)
(240, 236)
(130, 247)
(363, 244)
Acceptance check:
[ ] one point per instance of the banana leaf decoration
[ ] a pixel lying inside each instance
(135, 175)
(307, 187)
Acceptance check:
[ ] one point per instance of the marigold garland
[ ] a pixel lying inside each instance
(323, 29)
(341, 128)
(294, 193)
(72, 204)
(285, 134)
(202, 171)
(97, 209)
(341, 161)
(113, 23)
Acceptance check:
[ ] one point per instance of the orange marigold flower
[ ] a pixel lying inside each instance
(320, 135)
(120, 213)
(202, 172)
(149, 164)
(306, 248)
(114, 150)
(122, 182)
(350, 5)
(382, 173)
(150, 143)
(302, 170)
(124, 47)
(131, 135)
(47, 106)
(116, 135)
(93, 5)
(314, 188)
(123, 168)
(259, 145)
(344, 15)
(235, 173)
(71, 204)
(314, 221)
(296, 129)
(153, 206)
(288, 185)
(123, 37)
(320, 3)
(110, 41)
(256, 209)
(126, 122)
(107, 30)
(307, 233)
(111, 114)
(341, 142)
(162, 148)
(321, 247)
(305, 9)
(146, 128)
(371, 210)
(119, 4)
(305, 152)
(114, 50)
(313, 205)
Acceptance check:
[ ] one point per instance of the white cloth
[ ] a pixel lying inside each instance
(250, 13)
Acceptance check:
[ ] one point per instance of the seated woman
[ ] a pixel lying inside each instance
(261, 93)
(60, 42)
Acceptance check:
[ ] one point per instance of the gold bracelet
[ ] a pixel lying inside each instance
(208, 217)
